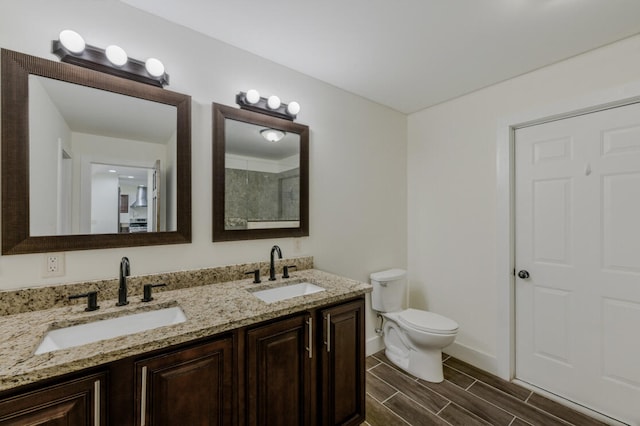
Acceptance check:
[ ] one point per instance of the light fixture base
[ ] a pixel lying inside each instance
(262, 107)
(94, 58)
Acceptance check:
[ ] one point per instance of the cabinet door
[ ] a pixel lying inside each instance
(343, 364)
(75, 402)
(279, 373)
(193, 386)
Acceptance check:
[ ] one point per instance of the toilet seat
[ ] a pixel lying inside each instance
(427, 321)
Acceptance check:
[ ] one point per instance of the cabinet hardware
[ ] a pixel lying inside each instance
(143, 398)
(96, 403)
(328, 342)
(310, 347)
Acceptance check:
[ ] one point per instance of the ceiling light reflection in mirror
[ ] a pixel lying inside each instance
(76, 135)
(262, 178)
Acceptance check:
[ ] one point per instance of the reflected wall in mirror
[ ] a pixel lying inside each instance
(87, 146)
(260, 186)
(75, 144)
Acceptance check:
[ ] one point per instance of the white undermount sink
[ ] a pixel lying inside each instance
(82, 334)
(287, 292)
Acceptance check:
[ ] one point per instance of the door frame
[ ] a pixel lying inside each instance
(505, 198)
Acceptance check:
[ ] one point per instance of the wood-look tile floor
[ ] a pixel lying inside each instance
(467, 397)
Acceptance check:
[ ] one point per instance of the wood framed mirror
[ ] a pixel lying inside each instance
(260, 185)
(102, 124)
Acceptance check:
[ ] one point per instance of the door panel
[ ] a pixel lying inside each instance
(578, 235)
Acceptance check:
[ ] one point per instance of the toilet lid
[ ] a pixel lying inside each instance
(427, 321)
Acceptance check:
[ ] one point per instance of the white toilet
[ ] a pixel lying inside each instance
(413, 338)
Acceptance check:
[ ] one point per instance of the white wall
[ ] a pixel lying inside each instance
(50, 132)
(357, 148)
(452, 214)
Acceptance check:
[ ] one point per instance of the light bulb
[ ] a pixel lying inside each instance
(293, 108)
(273, 102)
(72, 41)
(154, 67)
(116, 55)
(252, 96)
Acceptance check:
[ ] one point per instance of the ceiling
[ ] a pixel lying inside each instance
(408, 54)
(99, 112)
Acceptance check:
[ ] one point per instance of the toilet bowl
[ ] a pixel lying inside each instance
(413, 338)
(417, 348)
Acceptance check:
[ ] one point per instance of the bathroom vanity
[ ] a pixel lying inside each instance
(235, 360)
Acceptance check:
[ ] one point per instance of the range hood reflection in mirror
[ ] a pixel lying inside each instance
(88, 147)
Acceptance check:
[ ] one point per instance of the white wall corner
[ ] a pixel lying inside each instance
(478, 359)
(374, 344)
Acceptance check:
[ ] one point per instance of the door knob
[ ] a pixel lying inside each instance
(523, 274)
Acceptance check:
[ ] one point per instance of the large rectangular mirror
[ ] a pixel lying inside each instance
(90, 160)
(260, 171)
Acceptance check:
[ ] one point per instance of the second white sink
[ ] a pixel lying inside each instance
(82, 334)
(287, 292)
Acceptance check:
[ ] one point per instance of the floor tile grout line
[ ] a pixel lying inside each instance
(509, 395)
(408, 397)
(526, 401)
(396, 414)
(496, 388)
(561, 420)
(529, 397)
(442, 409)
(388, 398)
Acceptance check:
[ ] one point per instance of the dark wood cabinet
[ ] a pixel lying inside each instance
(78, 402)
(278, 369)
(308, 369)
(192, 386)
(342, 370)
(303, 369)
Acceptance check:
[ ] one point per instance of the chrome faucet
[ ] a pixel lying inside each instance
(272, 266)
(125, 270)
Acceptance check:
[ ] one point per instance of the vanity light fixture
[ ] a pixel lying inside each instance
(71, 48)
(252, 101)
(272, 135)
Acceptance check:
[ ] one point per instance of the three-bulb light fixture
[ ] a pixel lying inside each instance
(251, 100)
(71, 48)
(272, 105)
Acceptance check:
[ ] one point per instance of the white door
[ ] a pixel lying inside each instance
(578, 237)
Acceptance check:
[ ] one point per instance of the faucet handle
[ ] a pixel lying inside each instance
(92, 300)
(285, 270)
(256, 275)
(146, 291)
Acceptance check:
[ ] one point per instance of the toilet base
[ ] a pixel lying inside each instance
(425, 365)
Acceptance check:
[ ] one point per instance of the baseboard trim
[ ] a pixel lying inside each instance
(479, 359)
(374, 344)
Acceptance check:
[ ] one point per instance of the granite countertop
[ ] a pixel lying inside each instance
(210, 309)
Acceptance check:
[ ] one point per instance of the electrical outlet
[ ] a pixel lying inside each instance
(53, 265)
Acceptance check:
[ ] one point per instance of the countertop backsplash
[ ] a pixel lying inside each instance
(39, 298)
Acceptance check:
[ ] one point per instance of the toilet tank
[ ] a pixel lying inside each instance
(389, 290)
